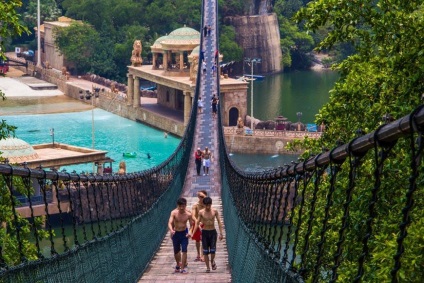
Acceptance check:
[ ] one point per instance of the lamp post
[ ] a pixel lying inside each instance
(38, 35)
(252, 61)
(299, 115)
(52, 134)
(90, 96)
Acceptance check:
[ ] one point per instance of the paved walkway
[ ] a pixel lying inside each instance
(161, 269)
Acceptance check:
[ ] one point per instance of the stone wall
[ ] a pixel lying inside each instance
(117, 104)
(257, 145)
(259, 36)
(236, 102)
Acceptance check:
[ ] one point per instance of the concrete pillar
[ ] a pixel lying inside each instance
(100, 169)
(130, 93)
(181, 61)
(154, 61)
(187, 107)
(165, 60)
(136, 101)
(54, 193)
(36, 186)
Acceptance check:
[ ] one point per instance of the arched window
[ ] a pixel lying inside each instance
(233, 116)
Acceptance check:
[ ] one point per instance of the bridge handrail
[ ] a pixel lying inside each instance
(301, 199)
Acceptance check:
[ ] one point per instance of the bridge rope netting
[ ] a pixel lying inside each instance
(66, 227)
(326, 219)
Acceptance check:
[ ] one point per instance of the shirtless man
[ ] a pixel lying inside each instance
(177, 226)
(207, 216)
(195, 212)
(207, 157)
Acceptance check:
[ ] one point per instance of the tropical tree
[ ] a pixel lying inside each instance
(228, 45)
(124, 45)
(232, 7)
(48, 12)
(10, 26)
(385, 76)
(295, 43)
(78, 43)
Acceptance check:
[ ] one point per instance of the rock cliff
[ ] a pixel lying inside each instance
(259, 36)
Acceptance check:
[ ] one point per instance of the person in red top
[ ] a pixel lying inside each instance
(198, 160)
(198, 206)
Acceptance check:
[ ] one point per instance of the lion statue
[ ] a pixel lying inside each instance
(136, 54)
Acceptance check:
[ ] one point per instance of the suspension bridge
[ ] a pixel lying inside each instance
(283, 225)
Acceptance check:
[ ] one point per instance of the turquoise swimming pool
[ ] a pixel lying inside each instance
(112, 133)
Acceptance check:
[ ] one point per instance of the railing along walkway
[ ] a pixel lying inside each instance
(161, 268)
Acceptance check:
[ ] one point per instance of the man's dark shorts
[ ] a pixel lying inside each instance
(209, 238)
(180, 241)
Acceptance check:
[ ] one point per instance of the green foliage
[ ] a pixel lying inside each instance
(6, 130)
(232, 7)
(384, 76)
(48, 12)
(295, 45)
(10, 24)
(228, 45)
(124, 46)
(9, 240)
(79, 44)
(119, 23)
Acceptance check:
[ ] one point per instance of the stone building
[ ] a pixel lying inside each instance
(174, 70)
(50, 57)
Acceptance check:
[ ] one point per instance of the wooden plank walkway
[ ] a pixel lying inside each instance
(161, 268)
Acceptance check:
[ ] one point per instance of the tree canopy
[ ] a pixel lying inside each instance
(384, 76)
(10, 25)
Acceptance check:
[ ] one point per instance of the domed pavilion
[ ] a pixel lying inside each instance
(171, 52)
(175, 63)
(17, 150)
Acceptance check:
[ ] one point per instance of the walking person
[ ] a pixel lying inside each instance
(198, 160)
(209, 30)
(207, 216)
(204, 67)
(205, 30)
(202, 56)
(214, 106)
(214, 68)
(199, 105)
(207, 157)
(177, 225)
(197, 235)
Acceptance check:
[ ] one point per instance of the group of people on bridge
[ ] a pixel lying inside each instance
(203, 158)
(202, 228)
